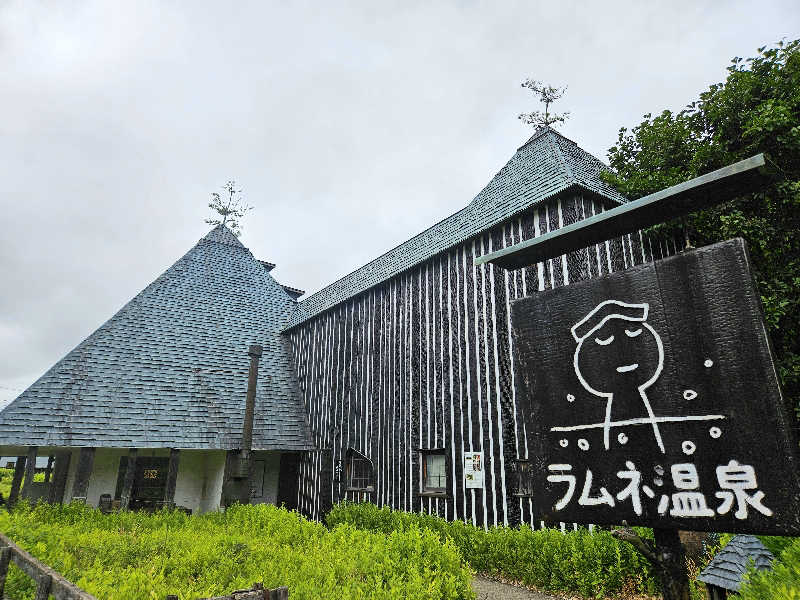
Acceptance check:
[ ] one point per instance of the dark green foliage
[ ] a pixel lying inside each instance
(131, 556)
(592, 564)
(783, 582)
(756, 109)
(776, 543)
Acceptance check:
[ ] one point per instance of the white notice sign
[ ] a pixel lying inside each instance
(473, 470)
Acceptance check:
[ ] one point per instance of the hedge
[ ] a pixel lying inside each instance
(133, 556)
(6, 475)
(594, 564)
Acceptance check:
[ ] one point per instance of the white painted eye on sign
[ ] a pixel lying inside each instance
(473, 470)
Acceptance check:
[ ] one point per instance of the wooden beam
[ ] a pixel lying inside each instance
(5, 560)
(172, 476)
(16, 482)
(130, 475)
(30, 471)
(43, 587)
(59, 482)
(724, 184)
(83, 474)
(49, 471)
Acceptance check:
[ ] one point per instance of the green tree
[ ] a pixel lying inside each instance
(756, 109)
(230, 207)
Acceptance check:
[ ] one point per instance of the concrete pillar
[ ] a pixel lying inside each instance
(83, 473)
(130, 475)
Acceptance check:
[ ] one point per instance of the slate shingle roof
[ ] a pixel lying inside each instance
(170, 368)
(546, 165)
(730, 563)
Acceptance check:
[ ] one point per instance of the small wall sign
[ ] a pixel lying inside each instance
(473, 470)
(650, 396)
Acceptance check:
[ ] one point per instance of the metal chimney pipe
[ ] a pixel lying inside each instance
(245, 464)
(250, 406)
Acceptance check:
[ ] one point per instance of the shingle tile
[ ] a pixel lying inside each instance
(170, 368)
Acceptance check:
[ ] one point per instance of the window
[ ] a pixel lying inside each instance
(434, 472)
(359, 472)
(149, 482)
(522, 485)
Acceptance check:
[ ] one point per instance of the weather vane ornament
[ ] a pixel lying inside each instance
(230, 209)
(547, 94)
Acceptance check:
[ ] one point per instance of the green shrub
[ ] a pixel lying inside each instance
(783, 582)
(592, 564)
(6, 475)
(132, 556)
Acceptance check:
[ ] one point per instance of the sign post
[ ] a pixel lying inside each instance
(650, 397)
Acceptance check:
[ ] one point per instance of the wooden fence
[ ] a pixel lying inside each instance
(51, 583)
(48, 582)
(257, 592)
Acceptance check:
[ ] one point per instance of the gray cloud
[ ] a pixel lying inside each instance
(350, 126)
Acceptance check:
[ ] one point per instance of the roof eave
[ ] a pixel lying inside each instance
(574, 185)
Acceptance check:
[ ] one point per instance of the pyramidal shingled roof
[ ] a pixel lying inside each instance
(730, 564)
(546, 165)
(170, 368)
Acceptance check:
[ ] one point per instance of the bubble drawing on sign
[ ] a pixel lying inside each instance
(617, 328)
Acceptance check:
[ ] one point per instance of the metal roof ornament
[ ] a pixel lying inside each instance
(547, 94)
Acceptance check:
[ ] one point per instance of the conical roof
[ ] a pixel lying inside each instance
(548, 164)
(170, 369)
(730, 564)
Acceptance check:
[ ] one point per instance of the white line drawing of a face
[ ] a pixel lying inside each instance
(584, 333)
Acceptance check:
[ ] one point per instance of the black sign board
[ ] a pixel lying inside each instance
(650, 396)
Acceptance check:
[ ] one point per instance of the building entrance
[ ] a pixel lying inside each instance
(149, 483)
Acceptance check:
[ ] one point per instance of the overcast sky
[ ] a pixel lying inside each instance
(350, 126)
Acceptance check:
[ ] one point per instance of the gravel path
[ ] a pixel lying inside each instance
(487, 589)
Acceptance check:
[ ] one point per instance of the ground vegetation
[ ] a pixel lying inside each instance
(133, 555)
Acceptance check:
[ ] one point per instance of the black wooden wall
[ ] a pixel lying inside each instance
(424, 361)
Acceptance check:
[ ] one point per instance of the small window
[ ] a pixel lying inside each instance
(359, 472)
(434, 472)
(522, 485)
